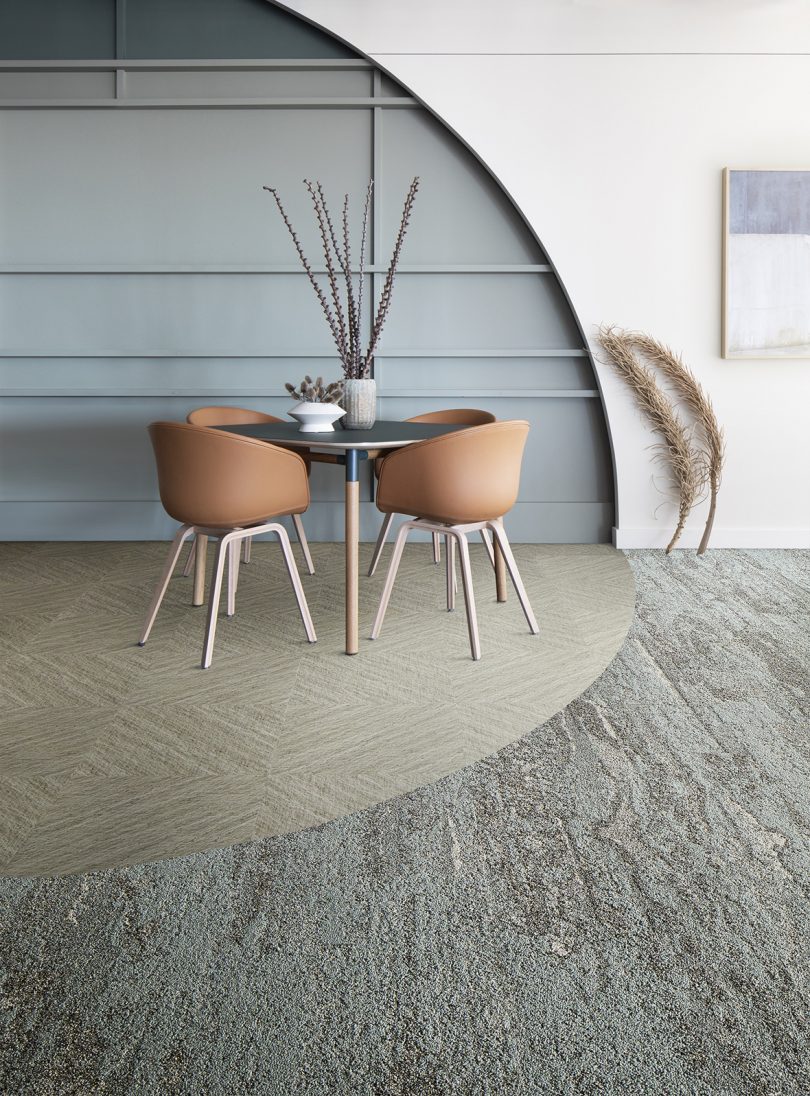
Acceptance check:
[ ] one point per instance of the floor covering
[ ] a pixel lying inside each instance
(112, 754)
(616, 903)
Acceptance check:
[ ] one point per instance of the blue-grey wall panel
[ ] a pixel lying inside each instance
(57, 85)
(47, 315)
(249, 83)
(57, 29)
(209, 378)
(488, 311)
(211, 28)
(170, 187)
(461, 214)
(477, 374)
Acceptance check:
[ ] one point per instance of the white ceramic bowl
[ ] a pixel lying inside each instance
(316, 418)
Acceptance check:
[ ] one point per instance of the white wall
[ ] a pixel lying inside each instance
(609, 123)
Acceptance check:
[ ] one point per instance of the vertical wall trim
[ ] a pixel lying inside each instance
(120, 33)
(376, 174)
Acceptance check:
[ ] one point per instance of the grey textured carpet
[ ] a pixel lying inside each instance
(617, 903)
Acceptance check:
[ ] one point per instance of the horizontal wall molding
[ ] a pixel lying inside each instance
(489, 393)
(119, 93)
(313, 355)
(269, 393)
(92, 519)
(147, 270)
(297, 103)
(188, 65)
(653, 536)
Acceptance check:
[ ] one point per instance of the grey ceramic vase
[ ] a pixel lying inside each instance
(360, 401)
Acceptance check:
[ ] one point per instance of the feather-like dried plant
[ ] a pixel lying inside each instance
(699, 406)
(676, 448)
(345, 316)
(315, 391)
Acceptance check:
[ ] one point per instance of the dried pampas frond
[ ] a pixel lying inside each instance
(700, 407)
(687, 469)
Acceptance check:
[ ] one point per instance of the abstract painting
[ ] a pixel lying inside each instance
(766, 268)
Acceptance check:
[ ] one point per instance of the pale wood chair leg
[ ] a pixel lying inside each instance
(500, 568)
(378, 547)
(233, 575)
(450, 568)
(503, 542)
(469, 597)
(200, 555)
(295, 579)
(168, 570)
(223, 550)
(302, 538)
(393, 567)
(488, 546)
(437, 549)
(192, 553)
(246, 543)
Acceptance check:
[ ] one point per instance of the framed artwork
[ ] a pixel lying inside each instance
(766, 263)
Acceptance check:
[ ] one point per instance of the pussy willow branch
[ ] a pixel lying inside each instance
(687, 469)
(330, 319)
(354, 327)
(322, 218)
(388, 285)
(363, 241)
(699, 406)
(341, 258)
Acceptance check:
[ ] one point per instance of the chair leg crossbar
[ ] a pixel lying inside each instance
(299, 532)
(228, 545)
(437, 552)
(455, 536)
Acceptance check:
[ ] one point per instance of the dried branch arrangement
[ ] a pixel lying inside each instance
(315, 391)
(343, 304)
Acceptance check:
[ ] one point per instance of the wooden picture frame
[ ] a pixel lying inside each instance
(766, 263)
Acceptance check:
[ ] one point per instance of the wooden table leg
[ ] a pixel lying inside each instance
(199, 570)
(500, 570)
(352, 533)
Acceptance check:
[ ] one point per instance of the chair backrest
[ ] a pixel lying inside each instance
(466, 476)
(213, 478)
(452, 416)
(466, 416)
(227, 416)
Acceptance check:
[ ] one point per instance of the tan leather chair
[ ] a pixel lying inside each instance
(464, 416)
(233, 416)
(228, 487)
(456, 484)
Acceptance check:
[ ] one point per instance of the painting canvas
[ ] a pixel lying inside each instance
(767, 264)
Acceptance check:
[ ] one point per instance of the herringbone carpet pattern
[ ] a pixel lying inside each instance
(111, 754)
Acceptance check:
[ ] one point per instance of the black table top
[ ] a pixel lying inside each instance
(384, 434)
